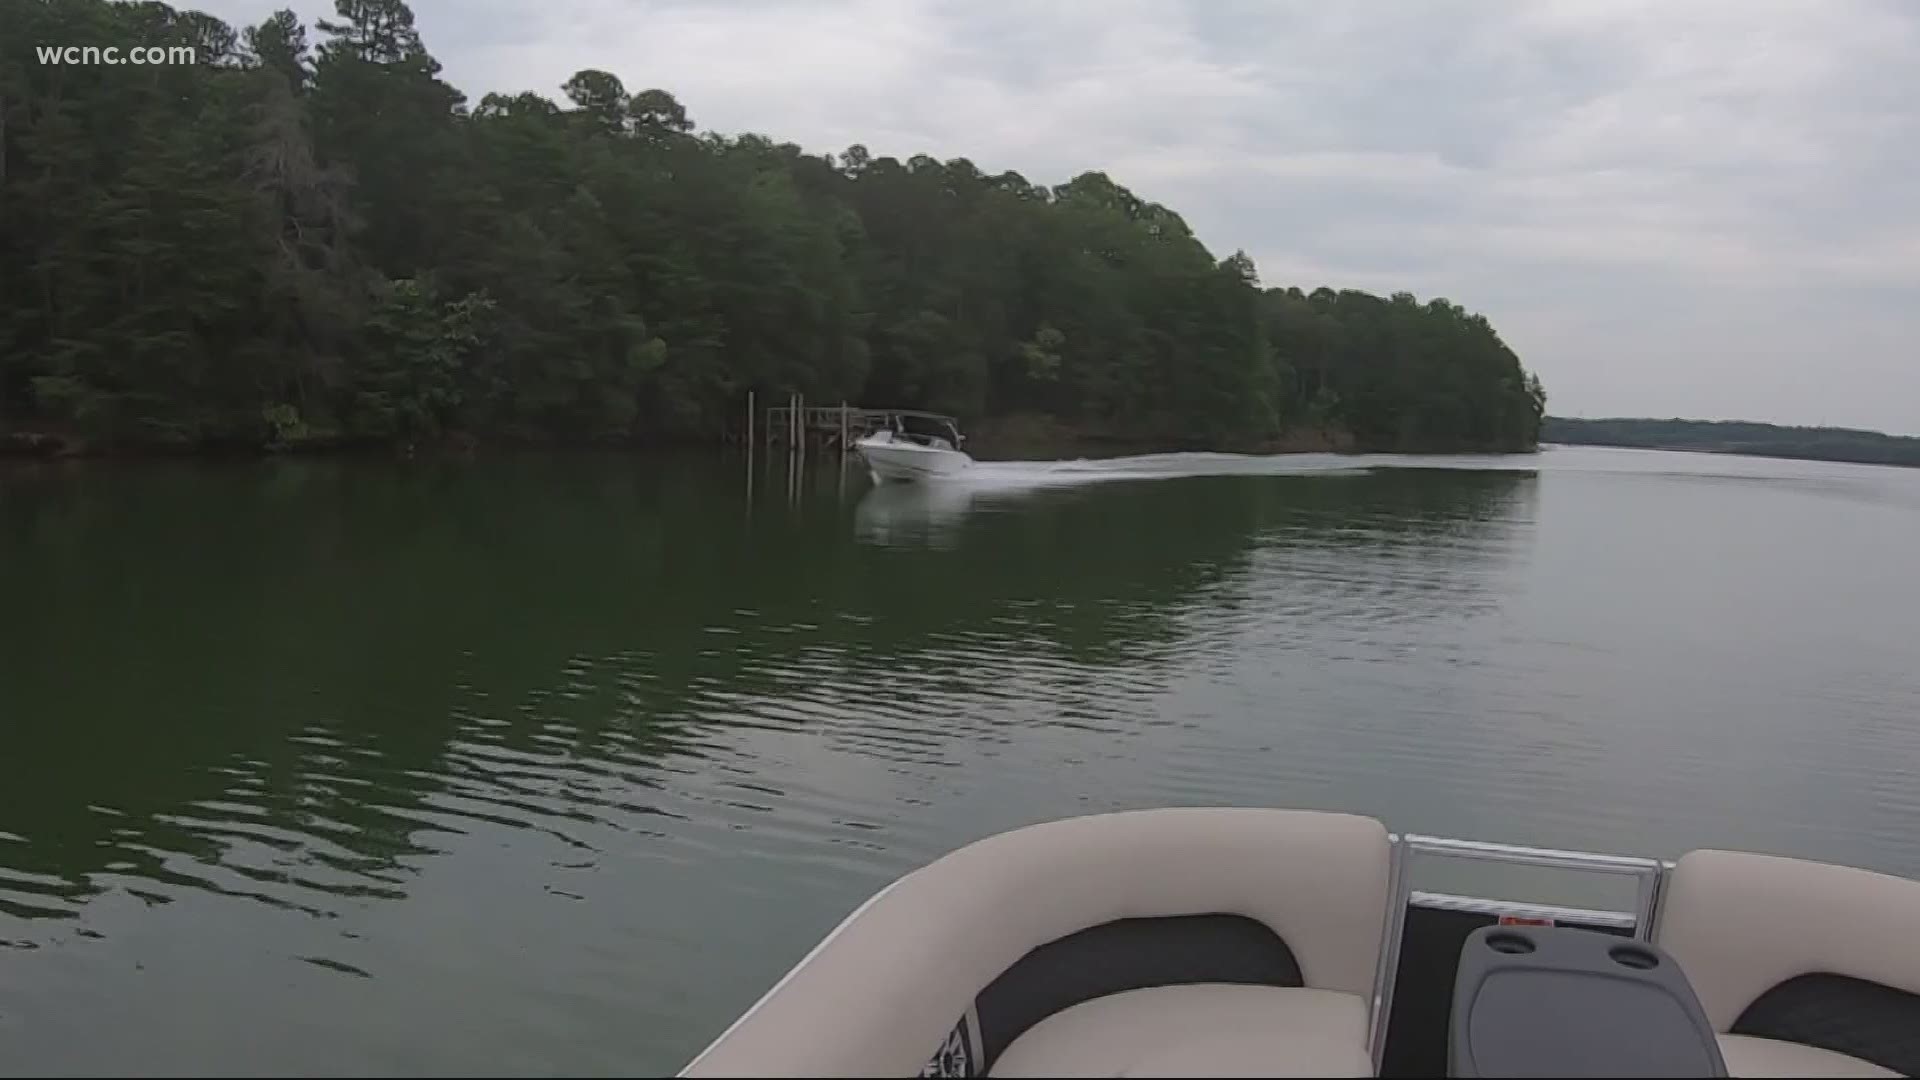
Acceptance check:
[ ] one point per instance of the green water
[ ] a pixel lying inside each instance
(553, 764)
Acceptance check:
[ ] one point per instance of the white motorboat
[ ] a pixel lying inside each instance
(914, 448)
(1238, 941)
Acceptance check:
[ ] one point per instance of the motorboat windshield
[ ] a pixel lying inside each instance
(927, 430)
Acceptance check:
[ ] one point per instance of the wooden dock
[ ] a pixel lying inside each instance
(797, 425)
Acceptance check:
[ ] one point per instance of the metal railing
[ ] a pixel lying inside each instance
(1649, 875)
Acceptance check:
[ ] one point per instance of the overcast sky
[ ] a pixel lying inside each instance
(1694, 207)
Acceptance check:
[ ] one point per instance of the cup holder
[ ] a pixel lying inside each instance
(1634, 956)
(1510, 943)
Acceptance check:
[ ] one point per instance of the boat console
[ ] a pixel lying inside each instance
(1553, 1001)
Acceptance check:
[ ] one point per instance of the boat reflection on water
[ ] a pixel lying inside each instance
(914, 515)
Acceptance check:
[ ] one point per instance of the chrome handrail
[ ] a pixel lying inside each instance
(1650, 875)
(1387, 965)
(1530, 856)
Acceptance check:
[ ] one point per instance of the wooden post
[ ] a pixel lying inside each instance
(749, 438)
(793, 469)
(843, 427)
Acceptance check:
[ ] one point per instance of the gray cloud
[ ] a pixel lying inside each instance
(1703, 209)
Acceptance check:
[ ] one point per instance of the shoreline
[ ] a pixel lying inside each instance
(1738, 438)
(1774, 454)
(998, 439)
(1014, 437)
(14, 455)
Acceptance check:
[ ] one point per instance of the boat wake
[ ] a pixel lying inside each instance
(927, 512)
(991, 474)
(1155, 467)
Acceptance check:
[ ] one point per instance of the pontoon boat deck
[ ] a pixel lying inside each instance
(1259, 942)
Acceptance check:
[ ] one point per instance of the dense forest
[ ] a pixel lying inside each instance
(310, 239)
(1739, 437)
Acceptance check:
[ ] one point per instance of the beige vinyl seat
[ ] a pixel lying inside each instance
(1173, 942)
(1803, 968)
(1208, 1029)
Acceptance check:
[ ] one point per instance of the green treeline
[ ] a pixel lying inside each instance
(309, 238)
(1739, 437)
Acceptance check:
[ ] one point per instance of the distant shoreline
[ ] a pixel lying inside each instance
(1740, 437)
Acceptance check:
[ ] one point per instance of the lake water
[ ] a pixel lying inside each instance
(553, 764)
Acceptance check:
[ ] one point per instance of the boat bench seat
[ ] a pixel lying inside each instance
(1749, 1056)
(1209, 1029)
(1803, 968)
(1185, 941)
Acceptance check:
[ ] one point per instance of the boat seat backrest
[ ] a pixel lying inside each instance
(1283, 897)
(1803, 952)
(1317, 881)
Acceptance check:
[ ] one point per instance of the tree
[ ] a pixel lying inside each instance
(600, 100)
(280, 45)
(284, 246)
(657, 111)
